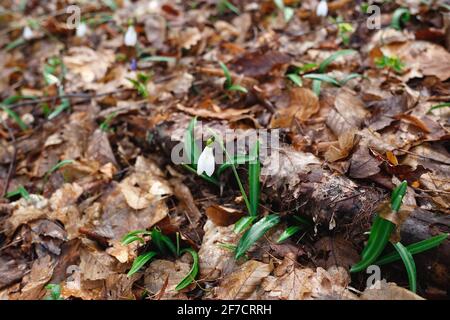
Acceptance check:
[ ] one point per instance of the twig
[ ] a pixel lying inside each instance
(86, 96)
(13, 160)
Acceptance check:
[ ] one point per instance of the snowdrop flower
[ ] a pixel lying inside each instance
(27, 33)
(206, 161)
(322, 9)
(81, 30)
(130, 37)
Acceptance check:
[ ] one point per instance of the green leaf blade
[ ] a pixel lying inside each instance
(255, 233)
(140, 261)
(190, 277)
(410, 265)
(289, 232)
(325, 63)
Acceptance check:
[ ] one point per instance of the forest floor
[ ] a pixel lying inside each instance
(95, 97)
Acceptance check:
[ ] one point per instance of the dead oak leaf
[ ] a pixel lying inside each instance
(160, 270)
(306, 283)
(244, 282)
(216, 113)
(388, 291)
(342, 148)
(86, 65)
(41, 273)
(255, 64)
(302, 105)
(286, 167)
(348, 113)
(223, 216)
(216, 261)
(422, 58)
(25, 211)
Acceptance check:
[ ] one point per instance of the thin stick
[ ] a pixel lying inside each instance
(67, 96)
(12, 165)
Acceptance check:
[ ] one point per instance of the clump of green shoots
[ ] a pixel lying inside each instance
(54, 292)
(5, 105)
(320, 76)
(288, 12)
(164, 246)
(229, 85)
(105, 125)
(380, 234)
(391, 63)
(19, 191)
(54, 66)
(224, 5)
(140, 84)
(345, 30)
(400, 17)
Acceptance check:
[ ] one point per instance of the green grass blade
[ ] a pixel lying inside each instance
(414, 248)
(140, 261)
(65, 104)
(163, 242)
(322, 78)
(190, 277)
(237, 87)
(254, 171)
(233, 167)
(158, 59)
(397, 196)
(15, 117)
(295, 78)
(243, 223)
(410, 266)
(439, 106)
(226, 72)
(225, 4)
(325, 63)
(289, 232)
(400, 16)
(254, 233)
(131, 239)
(317, 87)
(58, 166)
(351, 76)
(190, 146)
(15, 43)
(20, 190)
(134, 236)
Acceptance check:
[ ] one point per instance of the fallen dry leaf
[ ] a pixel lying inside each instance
(303, 104)
(244, 282)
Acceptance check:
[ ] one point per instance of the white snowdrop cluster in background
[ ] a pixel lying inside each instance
(27, 33)
(322, 9)
(130, 37)
(81, 30)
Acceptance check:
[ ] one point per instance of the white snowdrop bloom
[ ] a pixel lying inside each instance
(81, 30)
(27, 33)
(206, 162)
(322, 9)
(130, 37)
